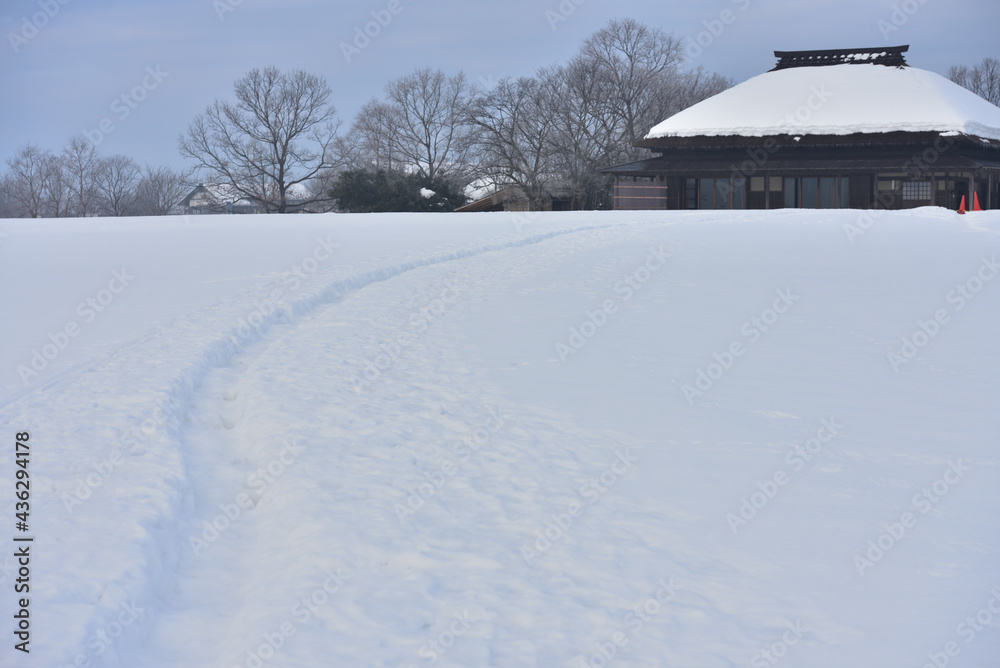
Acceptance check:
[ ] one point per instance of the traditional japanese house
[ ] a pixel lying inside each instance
(848, 128)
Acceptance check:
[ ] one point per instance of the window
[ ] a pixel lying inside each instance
(917, 191)
(706, 194)
(827, 192)
(739, 193)
(791, 193)
(813, 192)
(722, 193)
(810, 193)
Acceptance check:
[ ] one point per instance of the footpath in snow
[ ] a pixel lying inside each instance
(593, 439)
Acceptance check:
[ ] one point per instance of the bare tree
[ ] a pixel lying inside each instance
(81, 163)
(560, 127)
(422, 126)
(6, 206)
(277, 136)
(57, 188)
(982, 79)
(118, 185)
(28, 181)
(160, 190)
(585, 137)
(372, 143)
(516, 124)
(431, 128)
(625, 79)
(685, 89)
(632, 60)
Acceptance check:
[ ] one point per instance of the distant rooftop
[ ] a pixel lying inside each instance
(881, 55)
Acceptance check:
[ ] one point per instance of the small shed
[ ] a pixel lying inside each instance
(215, 199)
(514, 198)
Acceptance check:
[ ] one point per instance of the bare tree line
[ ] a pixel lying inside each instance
(78, 183)
(278, 143)
(550, 131)
(982, 79)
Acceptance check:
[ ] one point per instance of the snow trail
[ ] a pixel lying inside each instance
(239, 456)
(481, 453)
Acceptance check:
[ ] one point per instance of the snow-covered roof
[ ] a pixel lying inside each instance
(221, 193)
(481, 188)
(837, 100)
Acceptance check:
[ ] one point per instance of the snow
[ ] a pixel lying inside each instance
(507, 439)
(837, 100)
(427, 193)
(480, 189)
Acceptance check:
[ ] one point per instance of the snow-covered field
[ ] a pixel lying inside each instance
(592, 439)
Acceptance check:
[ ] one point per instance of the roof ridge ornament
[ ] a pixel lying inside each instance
(890, 56)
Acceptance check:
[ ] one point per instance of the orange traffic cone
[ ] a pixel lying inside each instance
(975, 200)
(961, 207)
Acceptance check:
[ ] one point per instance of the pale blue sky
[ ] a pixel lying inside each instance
(66, 78)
